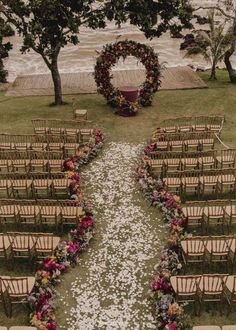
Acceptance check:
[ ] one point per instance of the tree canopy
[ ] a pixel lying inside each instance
(46, 26)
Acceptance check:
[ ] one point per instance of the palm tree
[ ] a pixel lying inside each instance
(212, 44)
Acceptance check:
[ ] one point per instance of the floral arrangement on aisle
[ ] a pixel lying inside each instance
(170, 315)
(52, 268)
(83, 156)
(109, 57)
(66, 255)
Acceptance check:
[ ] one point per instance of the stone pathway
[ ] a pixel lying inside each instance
(113, 294)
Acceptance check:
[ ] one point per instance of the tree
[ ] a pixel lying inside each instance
(212, 44)
(5, 47)
(153, 17)
(227, 10)
(47, 26)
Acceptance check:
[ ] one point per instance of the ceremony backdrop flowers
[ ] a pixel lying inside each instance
(109, 57)
(67, 252)
(170, 315)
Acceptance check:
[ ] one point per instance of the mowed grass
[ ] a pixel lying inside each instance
(15, 118)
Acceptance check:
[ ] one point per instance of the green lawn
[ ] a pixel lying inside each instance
(16, 114)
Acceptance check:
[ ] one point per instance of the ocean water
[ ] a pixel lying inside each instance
(83, 56)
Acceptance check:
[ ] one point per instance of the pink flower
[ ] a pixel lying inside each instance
(73, 247)
(172, 326)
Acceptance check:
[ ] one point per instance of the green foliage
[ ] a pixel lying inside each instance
(152, 17)
(46, 26)
(212, 44)
(5, 47)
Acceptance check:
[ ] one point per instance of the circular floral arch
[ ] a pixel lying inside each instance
(108, 58)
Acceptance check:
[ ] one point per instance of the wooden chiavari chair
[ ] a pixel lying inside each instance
(60, 186)
(29, 215)
(18, 289)
(22, 245)
(20, 183)
(226, 158)
(231, 291)
(41, 184)
(38, 161)
(227, 179)
(191, 183)
(194, 250)
(212, 288)
(209, 182)
(46, 244)
(5, 187)
(55, 162)
(50, 214)
(21, 162)
(218, 248)
(70, 215)
(9, 214)
(173, 182)
(5, 246)
(194, 213)
(186, 289)
(214, 215)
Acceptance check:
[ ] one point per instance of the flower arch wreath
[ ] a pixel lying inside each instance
(109, 56)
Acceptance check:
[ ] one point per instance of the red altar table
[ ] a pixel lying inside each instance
(130, 93)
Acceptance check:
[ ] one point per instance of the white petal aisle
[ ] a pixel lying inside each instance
(114, 292)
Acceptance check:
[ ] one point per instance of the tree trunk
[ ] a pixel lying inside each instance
(231, 71)
(213, 71)
(56, 81)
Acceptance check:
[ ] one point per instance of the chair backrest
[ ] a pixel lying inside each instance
(213, 283)
(187, 284)
(196, 244)
(16, 286)
(220, 244)
(44, 241)
(194, 210)
(215, 210)
(19, 240)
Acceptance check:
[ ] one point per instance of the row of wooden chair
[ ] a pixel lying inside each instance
(41, 202)
(34, 165)
(40, 215)
(209, 249)
(163, 165)
(57, 123)
(187, 128)
(12, 155)
(35, 187)
(195, 121)
(199, 182)
(15, 290)
(184, 145)
(182, 136)
(64, 148)
(18, 245)
(207, 214)
(62, 135)
(184, 154)
(199, 289)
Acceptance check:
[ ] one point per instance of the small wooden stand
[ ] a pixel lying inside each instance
(81, 114)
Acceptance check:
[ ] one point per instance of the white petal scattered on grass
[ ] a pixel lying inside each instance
(114, 293)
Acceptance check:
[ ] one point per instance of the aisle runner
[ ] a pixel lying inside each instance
(115, 294)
